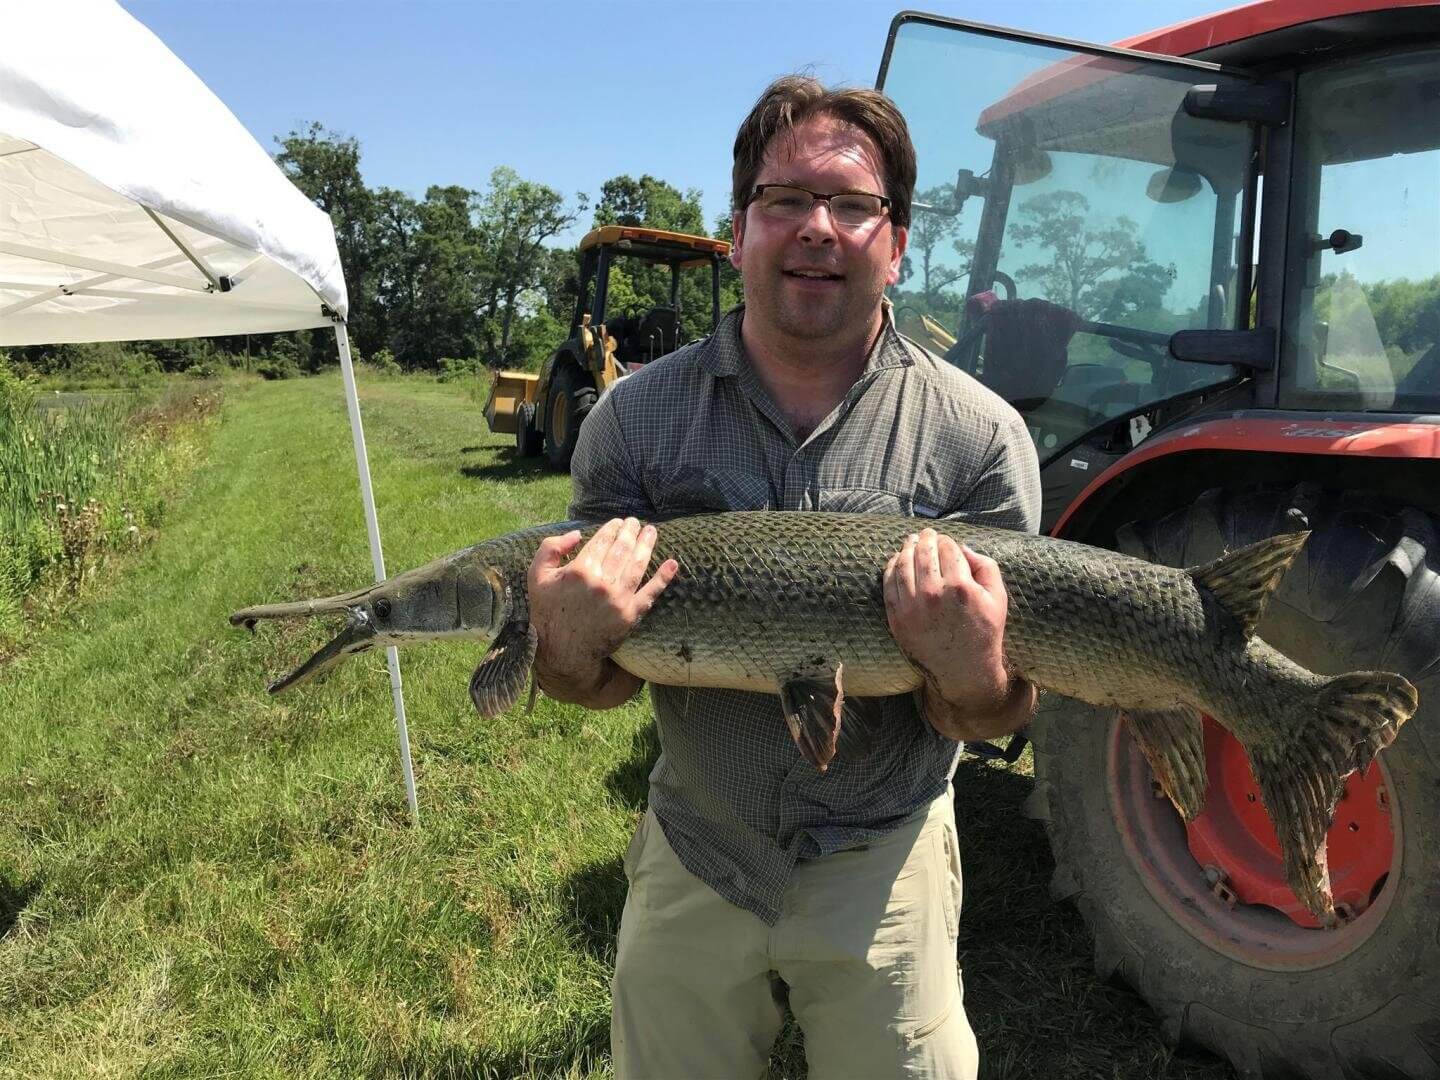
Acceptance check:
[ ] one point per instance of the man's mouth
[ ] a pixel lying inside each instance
(806, 274)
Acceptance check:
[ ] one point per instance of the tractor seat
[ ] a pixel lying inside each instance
(658, 333)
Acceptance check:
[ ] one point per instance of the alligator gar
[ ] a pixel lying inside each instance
(792, 604)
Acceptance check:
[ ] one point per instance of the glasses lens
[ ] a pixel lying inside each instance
(785, 202)
(855, 208)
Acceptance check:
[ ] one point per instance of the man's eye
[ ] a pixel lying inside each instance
(858, 205)
(787, 202)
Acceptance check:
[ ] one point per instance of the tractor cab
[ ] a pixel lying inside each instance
(617, 328)
(1115, 241)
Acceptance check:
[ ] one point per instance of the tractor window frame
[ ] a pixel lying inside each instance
(1245, 218)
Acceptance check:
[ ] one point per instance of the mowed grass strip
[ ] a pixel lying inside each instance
(197, 879)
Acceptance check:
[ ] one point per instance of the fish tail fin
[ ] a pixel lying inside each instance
(1339, 729)
(1173, 742)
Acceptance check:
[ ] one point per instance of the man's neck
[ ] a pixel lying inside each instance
(807, 379)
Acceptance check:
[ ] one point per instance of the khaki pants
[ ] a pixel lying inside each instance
(865, 943)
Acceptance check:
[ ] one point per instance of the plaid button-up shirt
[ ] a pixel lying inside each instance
(695, 432)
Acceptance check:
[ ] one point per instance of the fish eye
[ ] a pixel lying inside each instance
(382, 608)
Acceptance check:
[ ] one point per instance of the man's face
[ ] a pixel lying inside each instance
(814, 278)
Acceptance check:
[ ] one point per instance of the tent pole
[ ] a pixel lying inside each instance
(372, 524)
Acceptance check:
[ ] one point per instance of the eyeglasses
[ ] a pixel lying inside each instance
(785, 202)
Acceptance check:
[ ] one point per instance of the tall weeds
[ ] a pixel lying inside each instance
(79, 482)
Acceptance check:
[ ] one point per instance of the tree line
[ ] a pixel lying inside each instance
(476, 276)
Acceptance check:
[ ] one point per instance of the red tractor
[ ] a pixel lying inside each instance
(1205, 267)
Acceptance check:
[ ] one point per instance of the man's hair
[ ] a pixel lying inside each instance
(790, 101)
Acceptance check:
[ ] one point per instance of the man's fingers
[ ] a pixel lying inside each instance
(905, 569)
(890, 584)
(985, 571)
(633, 572)
(950, 558)
(617, 559)
(593, 554)
(651, 590)
(552, 552)
(927, 563)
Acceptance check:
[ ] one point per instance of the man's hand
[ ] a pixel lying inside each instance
(582, 610)
(946, 607)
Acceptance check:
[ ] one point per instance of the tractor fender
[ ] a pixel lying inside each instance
(1387, 454)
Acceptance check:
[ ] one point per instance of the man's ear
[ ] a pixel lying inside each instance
(900, 238)
(737, 230)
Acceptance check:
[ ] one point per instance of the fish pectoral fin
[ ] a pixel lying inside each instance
(1173, 742)
(497, 682)
(1341, 729)
(813, 702)
(1245, 579)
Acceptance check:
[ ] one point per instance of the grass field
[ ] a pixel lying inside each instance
(199, 880)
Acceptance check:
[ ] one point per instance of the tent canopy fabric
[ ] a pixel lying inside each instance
(133, 204)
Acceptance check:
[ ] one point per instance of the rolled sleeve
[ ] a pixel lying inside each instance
(604, 481)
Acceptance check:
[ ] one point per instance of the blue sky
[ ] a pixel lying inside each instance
(569, 94)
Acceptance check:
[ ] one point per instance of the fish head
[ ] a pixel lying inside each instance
(450, 598)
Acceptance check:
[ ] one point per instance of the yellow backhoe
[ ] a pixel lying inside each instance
(544, 411)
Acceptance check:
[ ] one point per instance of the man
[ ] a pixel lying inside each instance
(754, 878)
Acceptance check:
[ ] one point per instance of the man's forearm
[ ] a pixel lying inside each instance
(966, 724)
(604, 687)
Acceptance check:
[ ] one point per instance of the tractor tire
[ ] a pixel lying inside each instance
(528, 439)
(571, 398)
(1277, 1000)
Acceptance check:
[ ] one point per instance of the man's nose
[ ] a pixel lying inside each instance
(818, 227)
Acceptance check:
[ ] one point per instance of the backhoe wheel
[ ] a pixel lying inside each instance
(528, 438)
(571, 397)
(1278, 999)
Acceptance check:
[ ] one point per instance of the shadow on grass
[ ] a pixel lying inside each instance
(506, 465)
(14, 898)
(629, 782)
(579, 1056)
(594, 896)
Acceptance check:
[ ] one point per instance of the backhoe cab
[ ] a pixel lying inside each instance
(544, 411)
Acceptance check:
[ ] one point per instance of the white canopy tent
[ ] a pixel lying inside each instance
(134, 205)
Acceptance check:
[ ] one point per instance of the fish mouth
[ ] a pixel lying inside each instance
(358, 635)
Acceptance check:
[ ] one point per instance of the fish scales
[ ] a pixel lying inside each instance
(760, 594)
(779, 602)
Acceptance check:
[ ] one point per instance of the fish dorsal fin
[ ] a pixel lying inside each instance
(1243, 581)
(497, 682)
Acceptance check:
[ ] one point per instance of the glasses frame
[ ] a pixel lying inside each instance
(816, 196)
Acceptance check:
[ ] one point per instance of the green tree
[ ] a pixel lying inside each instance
(929, 230)
(513, 219)
(1099, 271)
(652, 203)
(325, 165)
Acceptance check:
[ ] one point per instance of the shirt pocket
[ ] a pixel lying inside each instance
(693, 489)
(864, 500)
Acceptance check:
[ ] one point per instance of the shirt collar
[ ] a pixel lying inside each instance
(725, 351)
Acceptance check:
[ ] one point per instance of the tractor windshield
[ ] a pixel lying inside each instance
(1362, 305)
(1070, 216)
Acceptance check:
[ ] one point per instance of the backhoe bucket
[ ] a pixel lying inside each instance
(507, 392)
